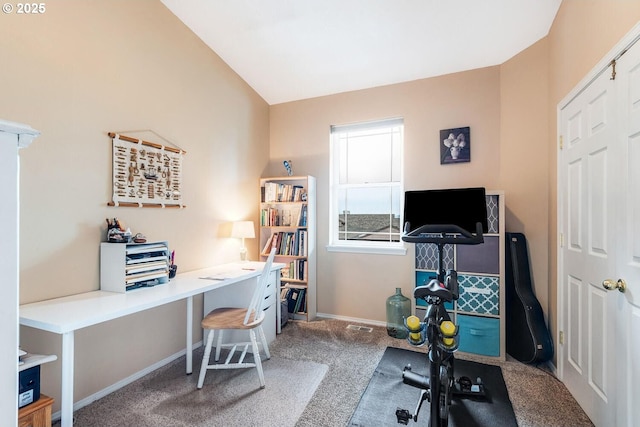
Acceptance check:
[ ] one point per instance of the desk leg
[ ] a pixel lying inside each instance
(189, 335)
(66, 400)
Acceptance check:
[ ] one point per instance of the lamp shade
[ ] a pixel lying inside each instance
(243, 230)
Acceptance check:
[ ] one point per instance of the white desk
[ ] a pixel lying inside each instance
(66, 315)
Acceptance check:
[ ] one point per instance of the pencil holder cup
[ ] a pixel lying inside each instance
(173, 269)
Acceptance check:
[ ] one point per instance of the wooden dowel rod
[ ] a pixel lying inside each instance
(144, 205)
(150, 144)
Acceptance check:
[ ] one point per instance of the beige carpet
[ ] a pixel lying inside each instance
(168, 397)
(538, 398)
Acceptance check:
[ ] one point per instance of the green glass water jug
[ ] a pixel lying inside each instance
(398, 309)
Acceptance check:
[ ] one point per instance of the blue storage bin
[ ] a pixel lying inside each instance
(479, 294)
(479, 335)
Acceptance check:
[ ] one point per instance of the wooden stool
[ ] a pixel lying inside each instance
(36, 414)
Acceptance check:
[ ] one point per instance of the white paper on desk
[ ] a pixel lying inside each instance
(226, 275)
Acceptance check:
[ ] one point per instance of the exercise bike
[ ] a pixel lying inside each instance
(437, 329)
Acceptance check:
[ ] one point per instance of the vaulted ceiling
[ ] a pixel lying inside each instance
(289, 50)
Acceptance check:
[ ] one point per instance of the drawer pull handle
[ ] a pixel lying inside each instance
(476, 332)
(474, 290)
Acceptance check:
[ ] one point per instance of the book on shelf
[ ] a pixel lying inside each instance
(294, 216)
(302, 217)
(279, 192)
(295, 270)
(296, 300)
(288, 243)
(268, 245)
(285, 272)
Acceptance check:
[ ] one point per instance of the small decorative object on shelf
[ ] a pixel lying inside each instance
(173, 268)
(287, 222)
(116, 233)
(139, 238)
(287, 166)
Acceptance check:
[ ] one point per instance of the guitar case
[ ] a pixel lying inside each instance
(527, 336)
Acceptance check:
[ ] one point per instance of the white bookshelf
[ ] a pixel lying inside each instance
(288, 221)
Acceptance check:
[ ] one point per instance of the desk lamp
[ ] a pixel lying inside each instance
(243, 230)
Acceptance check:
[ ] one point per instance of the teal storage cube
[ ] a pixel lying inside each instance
(479, 294)
(479, 335)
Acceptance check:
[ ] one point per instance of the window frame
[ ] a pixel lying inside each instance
(362, 246)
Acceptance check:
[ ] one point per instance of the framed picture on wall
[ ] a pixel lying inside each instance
(455, 145)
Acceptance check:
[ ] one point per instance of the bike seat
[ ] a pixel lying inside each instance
(433, 289)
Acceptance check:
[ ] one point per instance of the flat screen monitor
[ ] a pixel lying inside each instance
(463, 207)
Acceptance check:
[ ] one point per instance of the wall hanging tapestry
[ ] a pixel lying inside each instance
(146, 174)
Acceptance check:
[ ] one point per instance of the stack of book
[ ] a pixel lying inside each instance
(296, 299)
(276, 217)
(277, 192)
(296, 270)
(288, 243)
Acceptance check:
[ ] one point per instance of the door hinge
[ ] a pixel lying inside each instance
(561, 240)
(561, 142)
(561, 337)
(613, 69)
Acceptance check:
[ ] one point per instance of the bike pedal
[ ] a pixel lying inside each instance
(403, 416)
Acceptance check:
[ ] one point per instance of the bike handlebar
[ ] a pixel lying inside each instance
(465, 238)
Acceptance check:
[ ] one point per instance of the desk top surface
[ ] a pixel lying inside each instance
(66, 314)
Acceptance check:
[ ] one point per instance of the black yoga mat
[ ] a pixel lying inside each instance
(386, 392)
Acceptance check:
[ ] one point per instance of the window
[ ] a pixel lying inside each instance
(366, 187)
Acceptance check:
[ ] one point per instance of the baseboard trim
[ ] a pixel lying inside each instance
(126, 381)
(352, 319)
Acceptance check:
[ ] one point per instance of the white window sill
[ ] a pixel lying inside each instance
(379, 250)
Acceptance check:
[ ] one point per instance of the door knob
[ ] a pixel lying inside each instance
(610, 285)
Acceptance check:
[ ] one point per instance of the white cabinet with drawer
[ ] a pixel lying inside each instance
(239, 295)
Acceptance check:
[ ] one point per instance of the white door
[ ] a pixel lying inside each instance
(588, 252)
(628, 249)
(599, 191)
